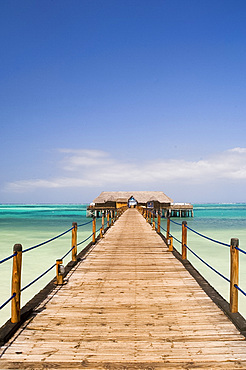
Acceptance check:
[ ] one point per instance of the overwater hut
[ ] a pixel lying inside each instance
(155, 200)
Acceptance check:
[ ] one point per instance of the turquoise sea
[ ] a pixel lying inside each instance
(30, 225)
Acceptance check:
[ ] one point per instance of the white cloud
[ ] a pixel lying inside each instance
(237, 150)
(76, 159)
(94, 168)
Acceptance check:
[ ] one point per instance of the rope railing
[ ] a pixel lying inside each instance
(66, 254)
(206, 237)
(8, 300)
(177, 240)
(60, 270)
(240, 290)
(8, 258)
(240, 250)
(83, 241)
(39, 277)
(86, 223)
(47, 241)
(234, 261)
(207, 264)
(234, 250)
(176, 223)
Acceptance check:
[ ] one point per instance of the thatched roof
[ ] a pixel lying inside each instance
(140, 196)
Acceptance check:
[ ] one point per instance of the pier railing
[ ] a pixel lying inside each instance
(233, 248)
(107, 220)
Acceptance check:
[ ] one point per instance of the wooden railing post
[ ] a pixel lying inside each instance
(107, 218)
(234, 272)
(74, 241)
(184, 240)
(16, 283)
(153, 224)
(94, 230)
(170, 244)
(103, 220)
(168, 228)
(59, 272)
(159, 223)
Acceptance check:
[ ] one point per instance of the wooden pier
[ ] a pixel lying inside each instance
(130, 304)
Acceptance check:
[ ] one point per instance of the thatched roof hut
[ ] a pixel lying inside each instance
(118, 198)
(156, 200)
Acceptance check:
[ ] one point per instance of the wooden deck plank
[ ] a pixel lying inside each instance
(130, 304)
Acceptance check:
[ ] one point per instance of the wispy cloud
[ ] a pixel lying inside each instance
(95, 168)
(75, 159)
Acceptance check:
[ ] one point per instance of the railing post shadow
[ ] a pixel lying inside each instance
(74, 241)
(234, 273)
(16, 283)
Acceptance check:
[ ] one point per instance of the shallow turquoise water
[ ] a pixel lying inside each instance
(33, 224)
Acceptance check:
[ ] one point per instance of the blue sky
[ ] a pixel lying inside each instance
(100, 95)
